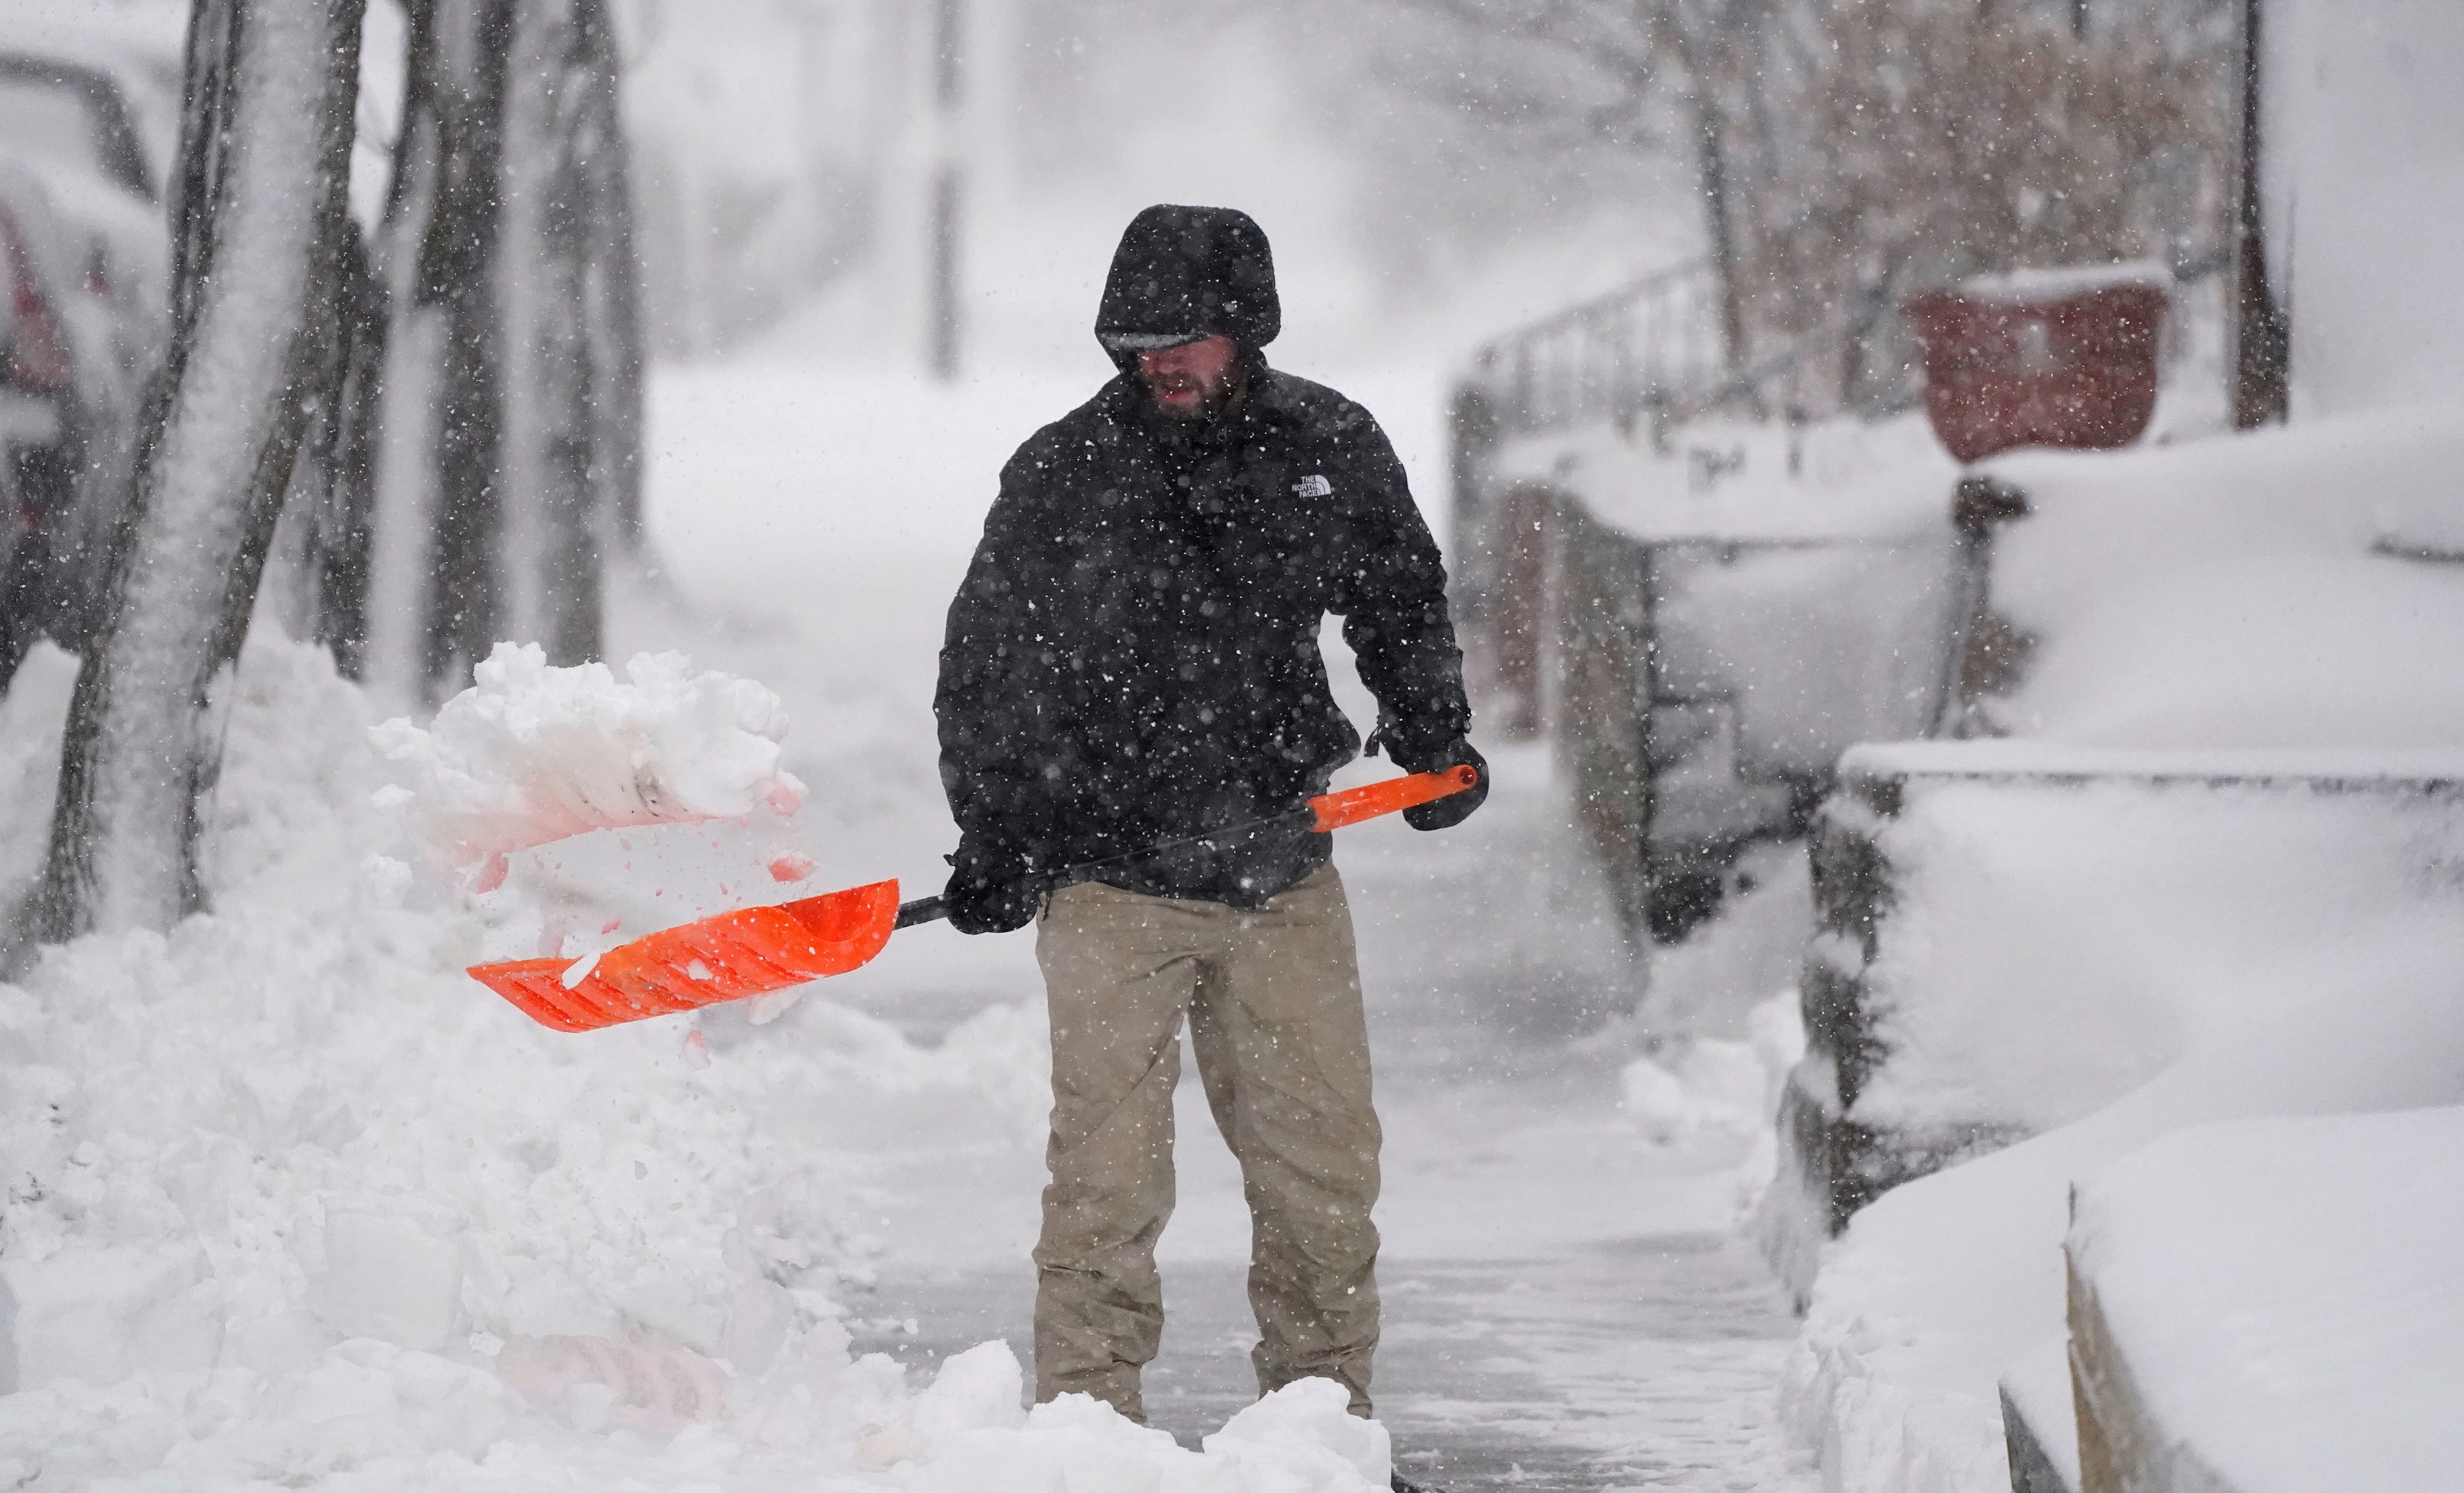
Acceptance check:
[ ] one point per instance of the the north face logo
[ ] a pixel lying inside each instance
(1313, 485)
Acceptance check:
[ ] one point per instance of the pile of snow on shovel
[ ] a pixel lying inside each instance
(531, 754)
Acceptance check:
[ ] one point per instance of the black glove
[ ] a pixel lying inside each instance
(991, 890)
(1454, 807)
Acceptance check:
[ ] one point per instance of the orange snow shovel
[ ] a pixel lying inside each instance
(754, 951)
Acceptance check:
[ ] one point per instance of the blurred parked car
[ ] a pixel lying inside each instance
(85, 114)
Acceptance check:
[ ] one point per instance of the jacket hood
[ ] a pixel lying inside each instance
(1184, 272)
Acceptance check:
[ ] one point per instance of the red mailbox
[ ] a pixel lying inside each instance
(2055, 360)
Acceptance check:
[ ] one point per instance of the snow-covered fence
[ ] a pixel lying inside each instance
(2011, 936)
(1700, 665)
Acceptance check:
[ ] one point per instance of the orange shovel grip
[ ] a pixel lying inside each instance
(1335, 810)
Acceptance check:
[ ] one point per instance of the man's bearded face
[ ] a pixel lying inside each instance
(1194, 381)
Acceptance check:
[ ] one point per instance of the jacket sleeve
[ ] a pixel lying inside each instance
(1393, 605)
(993, 701)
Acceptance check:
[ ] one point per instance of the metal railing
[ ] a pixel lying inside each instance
(1642, 347)
(1652, 353)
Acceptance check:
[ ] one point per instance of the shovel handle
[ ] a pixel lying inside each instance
(1329, 812)
(1335, 810)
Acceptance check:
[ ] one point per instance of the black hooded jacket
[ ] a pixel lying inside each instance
(1133, 657)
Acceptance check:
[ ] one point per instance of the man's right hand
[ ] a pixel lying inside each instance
(990, 891)
(1454, 807)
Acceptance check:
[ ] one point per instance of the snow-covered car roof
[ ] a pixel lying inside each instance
(102, 260)
(135, 50)
(104, 36)
(73, 114)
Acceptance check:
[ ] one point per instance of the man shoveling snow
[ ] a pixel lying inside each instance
(1138, 733)
(1131, 660)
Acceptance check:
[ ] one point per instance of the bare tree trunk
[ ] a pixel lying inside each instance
(400, 589)
(615, 316)
(457, 267)
(947, 203)
(261, 213)
(1719, 222)
(1706, 62)
(558, 118)
(513, 384)
(2262, 332)
(334, 484)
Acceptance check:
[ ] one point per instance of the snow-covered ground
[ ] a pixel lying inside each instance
(2102, 963)
(291, 1199)
(2215, 882)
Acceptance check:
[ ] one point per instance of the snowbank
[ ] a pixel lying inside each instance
(529, 754)
(973, 1435)
(2275, 1303)
(1720, 980)
(291, 1199)
(2058, 940)
(2274, 590)
(1706, 1085)
(1940, 1285)
(1749, 483)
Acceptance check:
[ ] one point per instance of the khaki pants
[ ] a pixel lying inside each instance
(1273, 999)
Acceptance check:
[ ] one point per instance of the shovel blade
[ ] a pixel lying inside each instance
(731, 957)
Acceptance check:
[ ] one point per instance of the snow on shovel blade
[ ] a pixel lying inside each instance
(749, 952)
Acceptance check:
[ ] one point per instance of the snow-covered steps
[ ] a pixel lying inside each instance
(2010, 936)
(2290, 587)
(2272, 1306)
(1933, 1307)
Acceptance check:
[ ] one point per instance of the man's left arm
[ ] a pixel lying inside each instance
(1396, 623)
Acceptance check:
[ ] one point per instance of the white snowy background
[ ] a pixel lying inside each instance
(291, 1202)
